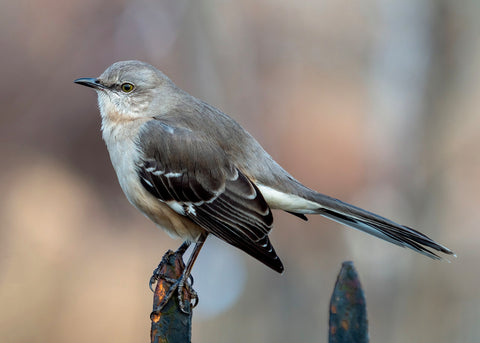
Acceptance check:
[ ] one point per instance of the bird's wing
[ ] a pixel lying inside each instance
(192, 174)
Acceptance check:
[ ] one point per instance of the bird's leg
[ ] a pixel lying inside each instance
(187, 274)
(181, 284)
(156, 275)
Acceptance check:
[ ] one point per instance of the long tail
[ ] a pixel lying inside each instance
(378, 226)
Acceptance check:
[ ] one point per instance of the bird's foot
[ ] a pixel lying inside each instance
(157, 272)
(187, 297)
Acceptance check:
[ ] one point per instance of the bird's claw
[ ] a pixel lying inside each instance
(153, 280)
(185, 290)
(156, 275)
(157, 272)
(182, 285)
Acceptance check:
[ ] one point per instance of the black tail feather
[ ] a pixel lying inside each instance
(380, 227)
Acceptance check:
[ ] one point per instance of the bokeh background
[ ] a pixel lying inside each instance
(375, 102)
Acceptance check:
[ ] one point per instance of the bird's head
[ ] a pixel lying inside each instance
(131, 89)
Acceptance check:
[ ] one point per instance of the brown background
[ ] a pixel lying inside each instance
(374, 102)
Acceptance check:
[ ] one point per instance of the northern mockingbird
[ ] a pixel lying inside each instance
(193, 170)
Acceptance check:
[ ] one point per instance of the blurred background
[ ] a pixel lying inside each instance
(375, 102)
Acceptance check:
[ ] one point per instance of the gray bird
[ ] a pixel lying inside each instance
(193, 170)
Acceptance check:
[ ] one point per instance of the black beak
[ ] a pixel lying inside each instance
(90, 82)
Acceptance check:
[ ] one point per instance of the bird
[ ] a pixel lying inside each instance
(194, 171)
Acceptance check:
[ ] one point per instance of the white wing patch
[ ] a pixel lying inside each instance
(147, 182)
(177, 207)
(191, 209)
(173, 175)
(287, 202)
(157, 172)
(183, 208)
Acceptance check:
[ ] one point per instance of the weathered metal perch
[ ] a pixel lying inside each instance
(348, 308)
(170, 325)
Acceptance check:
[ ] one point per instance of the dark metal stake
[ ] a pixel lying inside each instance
(348, 309)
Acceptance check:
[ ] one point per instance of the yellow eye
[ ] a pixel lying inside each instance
(127, 87)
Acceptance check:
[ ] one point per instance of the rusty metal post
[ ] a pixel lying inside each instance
(348, 308)
(171, 325)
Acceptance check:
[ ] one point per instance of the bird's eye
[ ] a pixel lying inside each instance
(127, 87)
